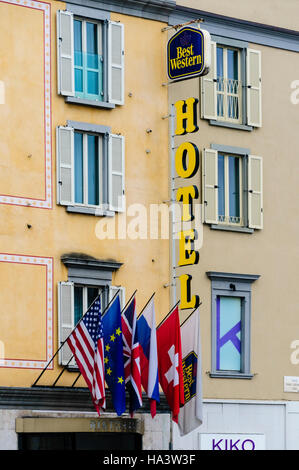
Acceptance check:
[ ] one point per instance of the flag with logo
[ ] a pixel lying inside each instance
(170, 362)
(146, 334)
(131, 356)
(87, 345)
(191, 414)
(113, 356)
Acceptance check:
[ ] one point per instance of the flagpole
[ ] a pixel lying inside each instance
(63, 343)
(169, 313)
(146, 305)
(190, 315)
(134, 293)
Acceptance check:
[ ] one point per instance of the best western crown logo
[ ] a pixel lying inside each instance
(188, 53)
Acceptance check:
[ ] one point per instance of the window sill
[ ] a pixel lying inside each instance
(231, 125)
(230, 375)
(84, 102)
(231, 228)
(96, 211)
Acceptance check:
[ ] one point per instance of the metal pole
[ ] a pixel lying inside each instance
(146, 305)
(169, 313)
(172, 189)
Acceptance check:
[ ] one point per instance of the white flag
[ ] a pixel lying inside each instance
(190, 416)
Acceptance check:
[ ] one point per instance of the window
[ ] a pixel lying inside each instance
(90, 169)
(90, 60)
(229, 85)
(231, 313)
(231, 91)
(232, 188)
(229, 189)
(87, 278)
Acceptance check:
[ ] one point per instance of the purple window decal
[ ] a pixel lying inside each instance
(228, 333)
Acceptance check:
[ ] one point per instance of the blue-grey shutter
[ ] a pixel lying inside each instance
(209, 88)
(210, 186)
(65, 53)
(65, 320)
(122, 293)
(116, 62)
(116, 169)
(65, 165)
(255, 192)
(254, 88)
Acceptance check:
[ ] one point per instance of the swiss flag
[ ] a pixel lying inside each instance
(170, 362)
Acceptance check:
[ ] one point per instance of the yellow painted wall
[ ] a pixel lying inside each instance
(56, 232)
(272, 252)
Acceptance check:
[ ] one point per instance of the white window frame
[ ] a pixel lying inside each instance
(227, 217)
(225, 94)
(101, 175)
(100, 41)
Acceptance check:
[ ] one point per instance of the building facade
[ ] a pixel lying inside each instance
(246, 271)
(89, 136)
(81, 137)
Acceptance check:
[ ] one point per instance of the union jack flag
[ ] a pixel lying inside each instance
(131, 351)
(87, 344)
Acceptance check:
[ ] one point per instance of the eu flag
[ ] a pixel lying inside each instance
(113, 356)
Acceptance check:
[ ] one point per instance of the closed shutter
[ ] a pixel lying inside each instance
(210, 186)
(116, 168)
(65, 320)
(65, 165)
(116, 62)
(65, 53)
(254, 88)
(209, 88)
(122, 291)
(255, 192)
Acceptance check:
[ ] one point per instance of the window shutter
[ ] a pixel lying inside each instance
(209, 88)
(116, 165)
(65, 320)
(255, 192)
(65, 53)
(210, 186)
(65, 165)
(122, 292)
(115, 62)
(254, 88)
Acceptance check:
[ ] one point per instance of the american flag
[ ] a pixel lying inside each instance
(87, 344)
(131, 353)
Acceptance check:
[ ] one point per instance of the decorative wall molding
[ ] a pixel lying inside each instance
(46, 202)
(23, 363)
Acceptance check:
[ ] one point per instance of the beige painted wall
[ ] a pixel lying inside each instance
(282, 13)
(272, 252)
(55, 232)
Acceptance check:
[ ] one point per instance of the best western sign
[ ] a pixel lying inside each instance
(188, 54)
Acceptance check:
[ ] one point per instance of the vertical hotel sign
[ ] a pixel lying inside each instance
(188, 56)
